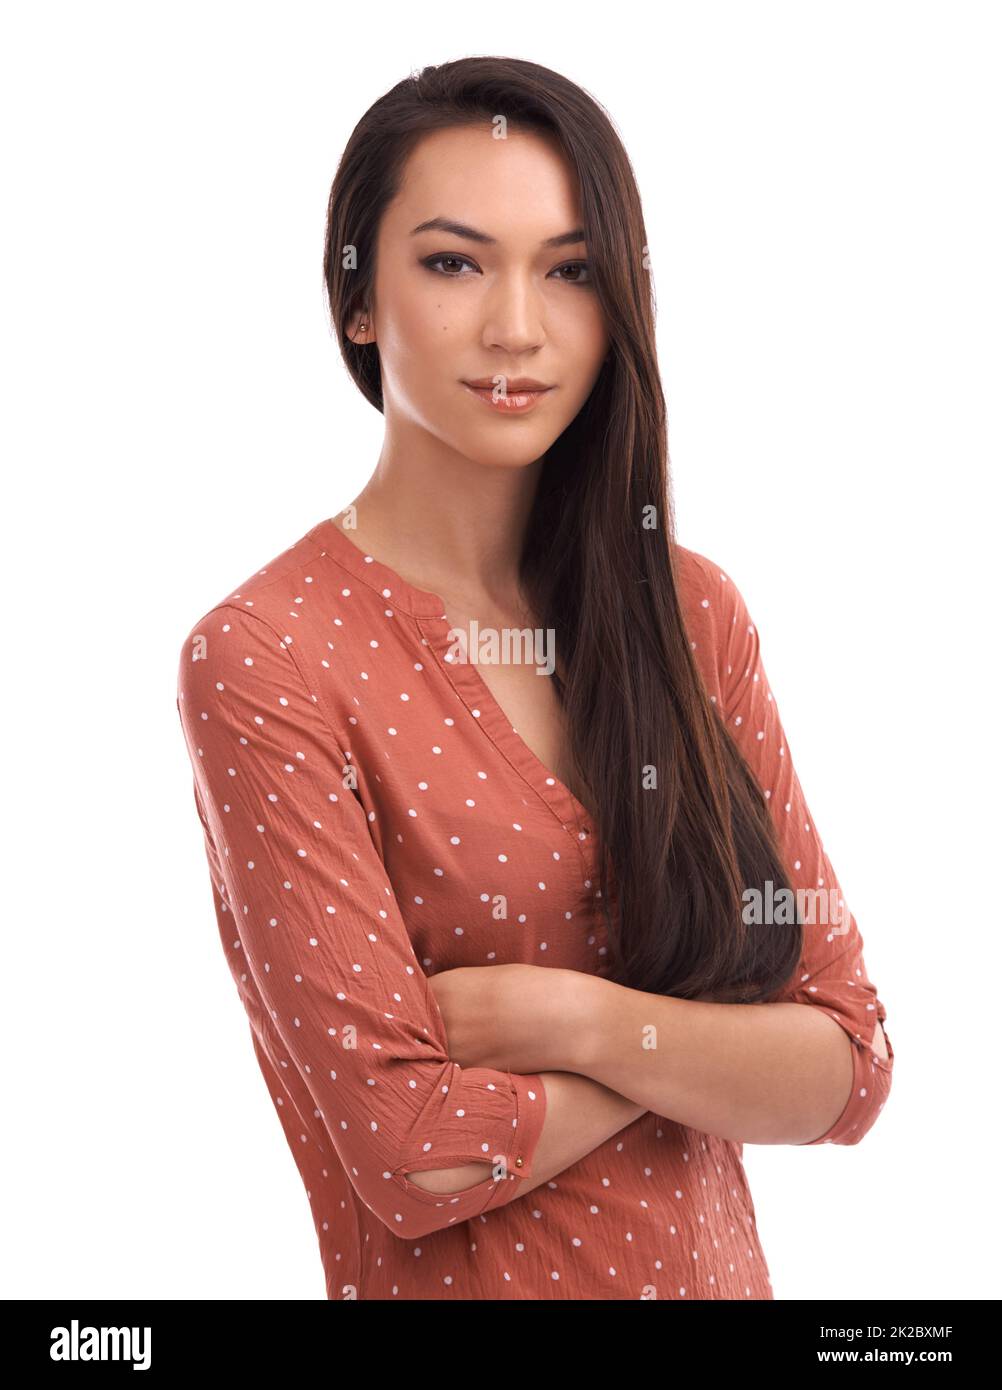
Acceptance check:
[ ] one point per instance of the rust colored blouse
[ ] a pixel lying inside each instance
(363, 799)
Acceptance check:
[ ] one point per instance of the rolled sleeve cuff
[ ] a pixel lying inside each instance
(503, 1131)
(515, 1158)
(871, 1084)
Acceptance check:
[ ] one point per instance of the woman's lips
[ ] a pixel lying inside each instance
(513, 403)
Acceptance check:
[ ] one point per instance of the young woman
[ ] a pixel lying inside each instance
(532, 937)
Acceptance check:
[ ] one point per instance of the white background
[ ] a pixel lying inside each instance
(821, 189)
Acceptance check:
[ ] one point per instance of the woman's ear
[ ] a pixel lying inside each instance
(361, 330)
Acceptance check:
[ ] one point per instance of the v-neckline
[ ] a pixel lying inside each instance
(429, 612)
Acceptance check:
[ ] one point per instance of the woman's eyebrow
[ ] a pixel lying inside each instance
(444, 224)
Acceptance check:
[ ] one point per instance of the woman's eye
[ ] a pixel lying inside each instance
(433, 261)
(581, 266)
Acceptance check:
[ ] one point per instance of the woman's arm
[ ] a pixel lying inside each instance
(812, 1066)
(580, 1115)
(755, 1073)
(318, 946)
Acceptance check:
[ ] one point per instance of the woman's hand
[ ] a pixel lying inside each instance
(519, 1018)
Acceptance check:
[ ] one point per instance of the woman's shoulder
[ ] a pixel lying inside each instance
(714, 611)
(292, 592)
(706, 589)
(250, 621)
(298, 620)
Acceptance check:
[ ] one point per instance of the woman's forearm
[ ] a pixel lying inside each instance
(581, 1114)
(755, 1073)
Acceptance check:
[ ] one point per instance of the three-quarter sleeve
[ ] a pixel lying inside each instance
(326, 962)
(831, 975)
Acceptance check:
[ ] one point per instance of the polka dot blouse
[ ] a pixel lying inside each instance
(362, 799)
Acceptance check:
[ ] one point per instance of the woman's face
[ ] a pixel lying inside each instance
(450, 308)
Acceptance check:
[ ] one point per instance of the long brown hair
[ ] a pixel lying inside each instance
(674, 860)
